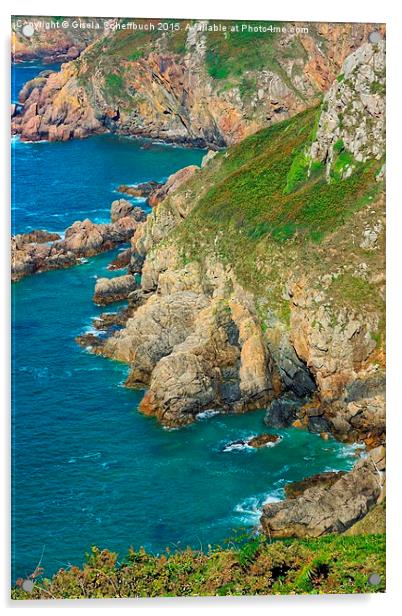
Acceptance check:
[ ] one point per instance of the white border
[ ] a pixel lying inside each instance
(341, 10)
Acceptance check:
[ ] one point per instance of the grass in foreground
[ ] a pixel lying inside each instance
(331, 564)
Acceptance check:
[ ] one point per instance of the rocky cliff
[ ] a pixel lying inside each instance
(262, 285)
(193, 85)
(49, 42)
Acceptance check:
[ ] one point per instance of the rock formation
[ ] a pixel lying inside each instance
(321, 510)
(298, 328)
(109, 290)
(39, 251)
(168, 87)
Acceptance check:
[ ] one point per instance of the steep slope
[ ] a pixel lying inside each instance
(191, 85)
(289, 262)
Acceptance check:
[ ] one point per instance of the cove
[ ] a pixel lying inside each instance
(88, 468)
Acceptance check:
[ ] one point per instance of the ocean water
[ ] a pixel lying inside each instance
(87, 467)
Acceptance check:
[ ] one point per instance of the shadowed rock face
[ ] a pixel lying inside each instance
(321, 510)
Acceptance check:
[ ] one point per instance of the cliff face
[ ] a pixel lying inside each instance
(263, 274)
(190, 86)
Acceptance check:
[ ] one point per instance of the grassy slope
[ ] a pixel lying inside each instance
(250, 212)
(331, 564)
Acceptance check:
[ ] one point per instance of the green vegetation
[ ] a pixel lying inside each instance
(252, 566)
(355, 292)
(231, 55)
(377, 88)
(259, 189)
(114, 83)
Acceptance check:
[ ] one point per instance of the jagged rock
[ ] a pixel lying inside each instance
(120, 208)
(282, 412)
(136, 263)
(211, 367)
(262, 440)
(109, 290)
(87, 238)
(122, 260)
(140, 190)
(320, 510)
(40, 251)
(38, 236)
(353, 117)
(29, 258)
(155, 328)
(173, 183)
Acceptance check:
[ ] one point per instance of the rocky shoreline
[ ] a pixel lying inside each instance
(193, 333)
(178, 96)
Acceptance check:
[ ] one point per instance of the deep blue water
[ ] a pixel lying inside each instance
(88, 468)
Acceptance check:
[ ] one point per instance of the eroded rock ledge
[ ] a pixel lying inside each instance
(40, 251)
(329, 508)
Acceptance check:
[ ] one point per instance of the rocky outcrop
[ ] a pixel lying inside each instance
(263, 440)
(351, 127)
(55, 107)
(297, 488)
(119, 209)
(110, 290)
(179, 95)
(39, 251)
(172, 184)
(329, 508)
(146, 189)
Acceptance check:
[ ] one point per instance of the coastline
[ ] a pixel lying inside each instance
(310, 362)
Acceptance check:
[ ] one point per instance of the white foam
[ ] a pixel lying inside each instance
(207, 414)
(250, 509)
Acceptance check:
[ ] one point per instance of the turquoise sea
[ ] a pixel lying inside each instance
(88, 468)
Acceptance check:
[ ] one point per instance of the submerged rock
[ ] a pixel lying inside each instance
(264, 440)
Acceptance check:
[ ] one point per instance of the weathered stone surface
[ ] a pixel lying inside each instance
(282, 412)
(122, 260)
(173, 183)
(140, 190)
(155, 328)
(120, 208)
(360, 90)
(296, 488)
(109, 290)
(39, 251)
(211, 367)
(321, 510)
